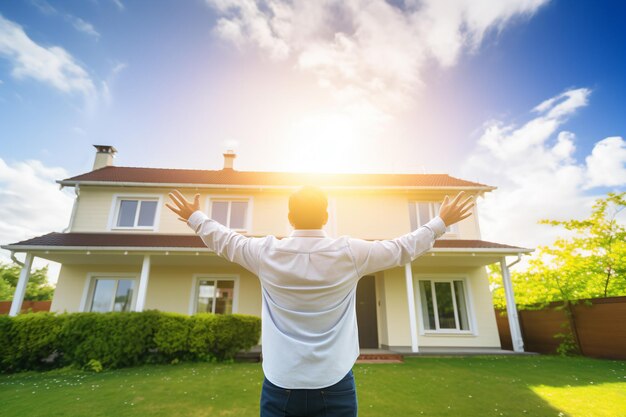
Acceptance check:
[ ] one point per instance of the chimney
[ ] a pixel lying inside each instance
(104, 156)
(229, 158)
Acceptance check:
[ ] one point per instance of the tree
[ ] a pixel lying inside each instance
(590, 264)
(37, 289)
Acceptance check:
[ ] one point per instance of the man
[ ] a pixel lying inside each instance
(308, 286)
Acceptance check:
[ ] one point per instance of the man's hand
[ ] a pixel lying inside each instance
(183, 208)
(452, 211)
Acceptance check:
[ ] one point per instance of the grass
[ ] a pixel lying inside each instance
(427, 386)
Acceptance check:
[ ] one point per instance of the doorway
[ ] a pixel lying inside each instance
(366, 313)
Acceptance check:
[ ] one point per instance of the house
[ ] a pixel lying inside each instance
(123, 251)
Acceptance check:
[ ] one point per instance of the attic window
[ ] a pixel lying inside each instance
(136, 213)
(231, 213)
(421, 212)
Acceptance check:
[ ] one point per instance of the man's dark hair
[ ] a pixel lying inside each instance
(308, 208)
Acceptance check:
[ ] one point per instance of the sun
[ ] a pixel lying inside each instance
(326, 143)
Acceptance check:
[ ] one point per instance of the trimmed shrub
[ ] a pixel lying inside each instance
(33, 342)
(171, 336)
(6, 323)
(202, 336)
(113, 340)
(234, 332)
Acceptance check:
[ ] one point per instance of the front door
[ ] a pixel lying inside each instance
(366, 313)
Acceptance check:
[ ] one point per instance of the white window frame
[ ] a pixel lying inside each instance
(90, 286)
(233, 198)
(448, 278)
(195, 284)
(454, 229)
(115, 211)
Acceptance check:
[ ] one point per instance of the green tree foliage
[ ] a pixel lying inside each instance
(37, 289)
(590, 264)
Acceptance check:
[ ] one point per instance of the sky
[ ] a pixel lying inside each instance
(528, 96)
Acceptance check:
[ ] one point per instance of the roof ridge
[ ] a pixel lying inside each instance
(230, 176)
(268, 172)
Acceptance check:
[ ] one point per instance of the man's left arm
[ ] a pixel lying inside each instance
(382, 254)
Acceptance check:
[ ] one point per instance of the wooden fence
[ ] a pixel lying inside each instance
(5, 306)
(601, 327)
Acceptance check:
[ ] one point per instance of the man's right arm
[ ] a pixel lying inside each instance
(225, 242)
(237, 248)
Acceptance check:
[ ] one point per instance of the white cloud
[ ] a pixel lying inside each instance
(366, 50)
(538, 179)
(79, 24)
(31, 203)
(119, 4)
(51, 65)
(606, 166)
(85, 27)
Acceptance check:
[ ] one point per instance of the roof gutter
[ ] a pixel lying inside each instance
(27, 248)
(262, 187)
(73, 215)
(14, 259)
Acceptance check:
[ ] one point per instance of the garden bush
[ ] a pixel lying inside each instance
(32, 341)
(172, 336)
(36, 341)
(114, 339)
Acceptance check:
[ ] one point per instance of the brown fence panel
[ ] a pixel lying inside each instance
(5, 306)
(601, 327)
(503, 330)
(539, 328)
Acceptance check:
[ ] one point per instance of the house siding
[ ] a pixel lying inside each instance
(169, 287)
(366, 215)
(396, 320)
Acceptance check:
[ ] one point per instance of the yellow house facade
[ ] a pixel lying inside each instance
(123, 250)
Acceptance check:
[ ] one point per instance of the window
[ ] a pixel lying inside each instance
(421, 212)
(231, 213)
(112, 294)
(214, 296)
(134, 213)
(444, 305)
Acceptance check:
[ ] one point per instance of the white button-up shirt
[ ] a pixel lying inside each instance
(308, 287)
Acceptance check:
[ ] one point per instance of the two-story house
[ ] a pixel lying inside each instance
(123, 250)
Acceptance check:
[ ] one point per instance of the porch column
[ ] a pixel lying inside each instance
(408, 274)
(143, 283)
(511, 308)
(20, 288)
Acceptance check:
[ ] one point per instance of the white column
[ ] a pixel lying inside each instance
(143, 283)
(511, 308)
(408, 274)
(20, 289)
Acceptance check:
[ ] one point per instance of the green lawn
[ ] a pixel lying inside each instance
(452, 386)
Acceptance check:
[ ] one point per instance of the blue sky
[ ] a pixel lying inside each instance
(413, 86)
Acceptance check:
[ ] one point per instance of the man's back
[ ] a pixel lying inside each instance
(308, 281)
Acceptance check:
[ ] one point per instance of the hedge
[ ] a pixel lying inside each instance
(37, 341)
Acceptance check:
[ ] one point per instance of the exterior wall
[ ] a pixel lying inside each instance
(169, 287)
(368, 215)
(71, 284)
(394, 300)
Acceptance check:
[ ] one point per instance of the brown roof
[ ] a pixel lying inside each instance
(234, 177)
(129, 240)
